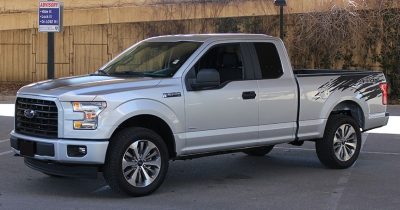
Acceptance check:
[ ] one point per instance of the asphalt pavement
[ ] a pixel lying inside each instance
(288, 178)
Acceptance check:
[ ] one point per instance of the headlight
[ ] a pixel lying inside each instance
(91, 111)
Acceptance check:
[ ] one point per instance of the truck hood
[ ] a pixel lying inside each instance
(86, 87)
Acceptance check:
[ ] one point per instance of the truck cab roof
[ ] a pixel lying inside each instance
(209, 37)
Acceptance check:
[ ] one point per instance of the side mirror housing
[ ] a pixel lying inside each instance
(206, 79)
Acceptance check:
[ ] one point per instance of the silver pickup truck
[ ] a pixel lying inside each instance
(186, 96)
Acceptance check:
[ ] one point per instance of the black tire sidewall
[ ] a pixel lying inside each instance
(325, 148)
(119, 144)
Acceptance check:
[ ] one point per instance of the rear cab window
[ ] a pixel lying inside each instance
(268, 60)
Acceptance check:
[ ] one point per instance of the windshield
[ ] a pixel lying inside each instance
(152, 59)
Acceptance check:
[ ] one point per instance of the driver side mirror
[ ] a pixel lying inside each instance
(206, 79)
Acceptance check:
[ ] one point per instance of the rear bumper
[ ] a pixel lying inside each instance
(376, 121)
(56, 150)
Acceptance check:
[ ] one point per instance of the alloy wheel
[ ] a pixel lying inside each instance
(141, 163)
(345, 142)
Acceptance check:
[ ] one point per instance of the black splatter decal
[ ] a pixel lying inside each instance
(365, 84)
(371, 92)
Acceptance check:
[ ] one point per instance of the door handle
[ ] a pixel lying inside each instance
(249, 95)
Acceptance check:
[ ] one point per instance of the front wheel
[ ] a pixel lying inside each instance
(341, 144)
(137, 162)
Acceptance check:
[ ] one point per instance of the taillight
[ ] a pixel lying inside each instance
(384, 89)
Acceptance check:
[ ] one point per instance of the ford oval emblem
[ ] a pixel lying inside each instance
(29, 113)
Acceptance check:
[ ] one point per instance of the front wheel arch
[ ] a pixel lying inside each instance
(155, 124)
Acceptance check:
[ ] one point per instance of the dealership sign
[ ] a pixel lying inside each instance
(50, 16)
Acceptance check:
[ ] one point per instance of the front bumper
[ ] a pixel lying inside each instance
(56, 150)
(60, 169)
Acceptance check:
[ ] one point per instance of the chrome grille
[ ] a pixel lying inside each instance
(36, 117)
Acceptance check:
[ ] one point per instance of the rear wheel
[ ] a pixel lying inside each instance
(137, 162)
(259, 151)
(341, 144)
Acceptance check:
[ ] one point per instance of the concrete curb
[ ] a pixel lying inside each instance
(10, 99)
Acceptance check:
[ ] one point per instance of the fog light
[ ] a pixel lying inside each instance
(76, 150)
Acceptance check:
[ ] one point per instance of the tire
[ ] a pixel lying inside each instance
(336, 150)
(127, 171)
(259, 151)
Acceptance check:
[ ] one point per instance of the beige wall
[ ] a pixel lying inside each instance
(79, 50)
(22, 14)
(96, 32)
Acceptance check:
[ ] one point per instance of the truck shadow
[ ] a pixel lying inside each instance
(207, 173)
(238, 167)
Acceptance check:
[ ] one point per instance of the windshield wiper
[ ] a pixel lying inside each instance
(128, 73)
(154, 75)
(138, 74)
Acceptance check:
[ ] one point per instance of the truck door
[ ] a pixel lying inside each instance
(224, 116)
(277, 93)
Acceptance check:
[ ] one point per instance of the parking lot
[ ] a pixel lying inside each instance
(288, 178)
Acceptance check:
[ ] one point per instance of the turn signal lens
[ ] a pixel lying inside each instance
(77, 124)
(85, 125)
(76, 106)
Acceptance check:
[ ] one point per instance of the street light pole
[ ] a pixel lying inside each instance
(281, 4)
(50, 55)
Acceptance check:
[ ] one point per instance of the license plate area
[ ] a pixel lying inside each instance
(27, 148)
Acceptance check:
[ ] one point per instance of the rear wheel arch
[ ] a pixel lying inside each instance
(352, 109)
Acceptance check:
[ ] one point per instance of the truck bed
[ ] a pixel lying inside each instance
(321, 90)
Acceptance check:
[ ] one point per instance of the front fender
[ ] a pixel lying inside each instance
(137, 107)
